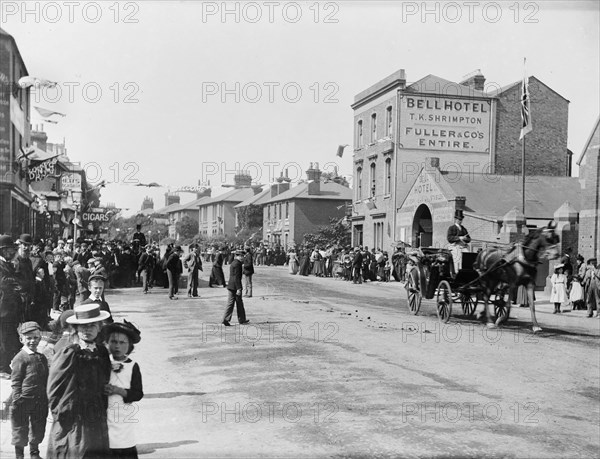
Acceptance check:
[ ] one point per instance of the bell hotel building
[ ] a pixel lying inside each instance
(426, 149)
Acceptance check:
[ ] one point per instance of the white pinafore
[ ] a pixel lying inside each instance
(121, 416)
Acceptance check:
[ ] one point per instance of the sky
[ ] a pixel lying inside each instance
(177, 92)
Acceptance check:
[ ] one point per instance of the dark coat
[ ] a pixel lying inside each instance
(78, 404)
(235, 275)
(454, 233)
(174, 263)
(248, 264)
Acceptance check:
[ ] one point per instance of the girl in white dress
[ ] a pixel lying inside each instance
(559, 288)
(124, 388)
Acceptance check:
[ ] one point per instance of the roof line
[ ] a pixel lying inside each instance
(589, 140)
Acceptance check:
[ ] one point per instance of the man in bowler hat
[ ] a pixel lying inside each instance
(234, 291)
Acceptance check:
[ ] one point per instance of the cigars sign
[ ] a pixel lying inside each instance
(97, 214)
(444, 123)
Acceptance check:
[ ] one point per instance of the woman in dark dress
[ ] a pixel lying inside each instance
(304, 263)
(78, 375)
(216, 275)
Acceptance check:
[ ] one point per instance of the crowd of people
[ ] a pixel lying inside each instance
(85, 363)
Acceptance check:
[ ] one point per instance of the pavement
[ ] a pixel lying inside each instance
(343, 370)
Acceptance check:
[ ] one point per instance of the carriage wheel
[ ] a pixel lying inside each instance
(444, 301)
(413, 291)
(468, 302)
(502, 306)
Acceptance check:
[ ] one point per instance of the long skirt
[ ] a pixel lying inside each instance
(293, 266)
(217, 277)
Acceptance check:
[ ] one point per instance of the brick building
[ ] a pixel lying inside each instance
(589, 178)
(292, 212)
(470, 133)
(16, 215)
(217, 215)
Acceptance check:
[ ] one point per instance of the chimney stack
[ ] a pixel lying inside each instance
(314, 179)
(242, 180)
(474, 80)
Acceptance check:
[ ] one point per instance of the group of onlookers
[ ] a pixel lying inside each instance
(357, 264)
(84, 364)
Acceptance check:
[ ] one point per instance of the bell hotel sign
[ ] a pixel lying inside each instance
(444, 123)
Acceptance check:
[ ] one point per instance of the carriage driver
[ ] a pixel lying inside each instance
(458, 237)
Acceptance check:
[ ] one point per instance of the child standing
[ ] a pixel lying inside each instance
(29, 401)
(123, 389)
(559, 288)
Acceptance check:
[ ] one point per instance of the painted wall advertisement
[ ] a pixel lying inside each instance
(445, 123)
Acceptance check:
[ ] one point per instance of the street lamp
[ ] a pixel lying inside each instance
(149, 236)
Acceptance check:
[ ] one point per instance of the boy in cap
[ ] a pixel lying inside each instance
(78, 376)
(96, 285)
(29, 377)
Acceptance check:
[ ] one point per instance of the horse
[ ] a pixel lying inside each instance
(498, 270)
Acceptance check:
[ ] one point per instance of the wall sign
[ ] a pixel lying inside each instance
(444, 123)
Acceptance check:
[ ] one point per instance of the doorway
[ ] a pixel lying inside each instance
(422, 227)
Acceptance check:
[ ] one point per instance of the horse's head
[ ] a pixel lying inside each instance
(549, 241)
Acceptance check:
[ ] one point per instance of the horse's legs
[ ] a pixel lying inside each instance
(488, 315)
(534, 322)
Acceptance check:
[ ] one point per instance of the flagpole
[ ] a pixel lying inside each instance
(523, 174)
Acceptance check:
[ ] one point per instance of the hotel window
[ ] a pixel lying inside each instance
(359, 134)
(280, 214)
(287, 210)
(359, 183)
(388, 175)
(388, 122)
(373, 127)
(268, 213)
(373, 180)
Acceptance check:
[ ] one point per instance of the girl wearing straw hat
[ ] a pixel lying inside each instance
(76, 398)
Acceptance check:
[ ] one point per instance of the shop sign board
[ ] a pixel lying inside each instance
(432, 122)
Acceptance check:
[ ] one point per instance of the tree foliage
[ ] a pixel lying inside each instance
(250, 217)
(337, 233)
(187, 227)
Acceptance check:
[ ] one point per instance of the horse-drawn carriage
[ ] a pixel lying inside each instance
(486, 276)
(432, 276)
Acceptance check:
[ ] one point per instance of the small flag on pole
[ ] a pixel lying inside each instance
(526, 126)
(340, 150)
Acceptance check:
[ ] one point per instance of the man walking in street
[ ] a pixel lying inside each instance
(174, 271)
(234, 291)
(193, 263)
(248, 271)
(146, 267)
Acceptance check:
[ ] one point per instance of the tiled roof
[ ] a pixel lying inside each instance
(494, 195)
(435, 85)
(257, 199)
(235, 195)
(329, 190)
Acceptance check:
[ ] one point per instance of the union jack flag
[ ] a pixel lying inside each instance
(526, 126)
